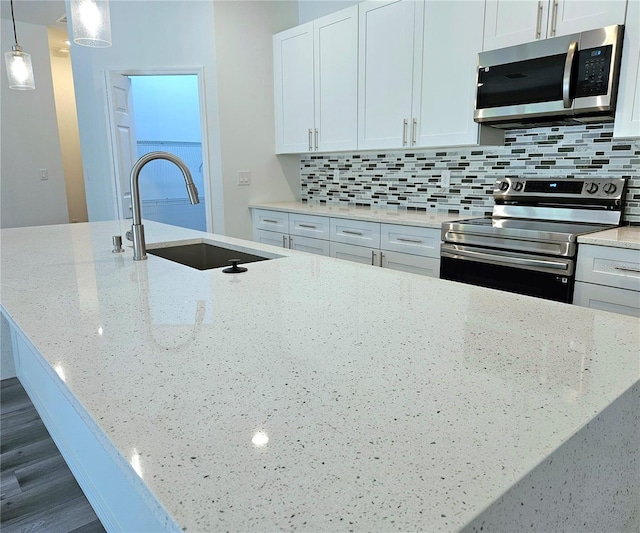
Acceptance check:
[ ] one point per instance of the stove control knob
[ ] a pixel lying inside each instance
(517, 186)
(504, 185)
(591, 188)
(610, 188)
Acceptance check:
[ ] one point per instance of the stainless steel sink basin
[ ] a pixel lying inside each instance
(204, 256)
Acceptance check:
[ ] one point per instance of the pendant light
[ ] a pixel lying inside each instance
(18, 63)
(91, 23)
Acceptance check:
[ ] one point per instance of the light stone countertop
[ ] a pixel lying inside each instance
(622, 237)
(403, 217)
(390, 401)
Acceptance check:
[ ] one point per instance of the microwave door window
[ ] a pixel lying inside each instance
(522, 82)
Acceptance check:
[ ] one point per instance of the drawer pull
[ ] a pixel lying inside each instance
(270, 220)
(404, 239)
(284, 241)
(351, 232)
(311, 226)
(627, 268)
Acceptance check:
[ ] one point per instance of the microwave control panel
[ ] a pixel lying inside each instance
(593, 65)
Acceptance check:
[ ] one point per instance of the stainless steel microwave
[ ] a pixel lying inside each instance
(571, 79)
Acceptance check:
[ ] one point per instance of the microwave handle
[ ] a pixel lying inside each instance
(567, 100)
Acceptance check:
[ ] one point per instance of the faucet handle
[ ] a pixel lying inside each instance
(117, 244)
(129, 235)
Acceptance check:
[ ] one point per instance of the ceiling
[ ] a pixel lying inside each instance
(44, 12)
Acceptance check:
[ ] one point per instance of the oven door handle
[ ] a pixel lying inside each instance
(497, 258)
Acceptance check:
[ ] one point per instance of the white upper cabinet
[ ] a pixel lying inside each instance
(511, 22)
(293, 88)
(627, 122)
(387, 37)
(336, 80)
(446, 90)
(315, 84)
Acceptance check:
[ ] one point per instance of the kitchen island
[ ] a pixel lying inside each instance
(315, 394)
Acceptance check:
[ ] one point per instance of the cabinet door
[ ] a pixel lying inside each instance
(306, 244)
(336, 81)
(573, 16)
(627, 122)
(509, 22)
(293, 89)
(607, 299)
(358, 232)
(451, 41)
(271, 237)
(356, 254)
(385, 77)
(425, 266)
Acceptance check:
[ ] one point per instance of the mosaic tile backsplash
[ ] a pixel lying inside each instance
(411, 179)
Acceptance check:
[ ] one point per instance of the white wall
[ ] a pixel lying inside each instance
(69, 135)
(244, 43)
(314, 9)
(29, 139)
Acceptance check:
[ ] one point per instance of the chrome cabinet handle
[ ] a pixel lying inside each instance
(405, 239)
(316, 139)
(373, 257)
(350, 232)
(625, 268)
(270, 220)
(381, 258)
(284, 241)
(310, 140)
(554, 18)
(566, 77)
(539, 21)
(405, 123)
(291, 242)
(414, 132)
(307, 226)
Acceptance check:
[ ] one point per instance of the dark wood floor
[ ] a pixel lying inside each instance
(37, 490)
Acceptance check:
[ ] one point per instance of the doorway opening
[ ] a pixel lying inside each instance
(159, 112)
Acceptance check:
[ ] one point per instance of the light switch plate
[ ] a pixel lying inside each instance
(244, 177)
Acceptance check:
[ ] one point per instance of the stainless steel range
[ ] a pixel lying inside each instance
(529, 244)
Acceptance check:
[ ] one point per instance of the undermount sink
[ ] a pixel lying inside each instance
(204, 256)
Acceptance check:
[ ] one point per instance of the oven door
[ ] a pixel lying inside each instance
(534, 275)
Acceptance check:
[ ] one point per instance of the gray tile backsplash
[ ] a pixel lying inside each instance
(411, 179)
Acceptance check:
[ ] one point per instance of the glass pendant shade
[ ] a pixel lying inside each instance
(19, 69)
(91, 23)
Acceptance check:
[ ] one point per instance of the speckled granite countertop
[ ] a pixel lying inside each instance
(622, 237)
(389, 216)
(311, 393)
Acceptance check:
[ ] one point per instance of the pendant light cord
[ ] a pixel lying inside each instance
(13, 18)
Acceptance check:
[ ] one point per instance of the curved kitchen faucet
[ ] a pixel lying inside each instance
(137, 229)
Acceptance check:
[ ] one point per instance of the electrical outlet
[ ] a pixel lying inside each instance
(244, 177)
(445, 180)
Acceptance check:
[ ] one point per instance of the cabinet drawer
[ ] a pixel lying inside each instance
(604, 265)
(273, 238)
(271, 220)
(425, 266)
(410, 240)
(309, 245)
(309, 226)
(355, 232)
(607, 298)
(357, 254)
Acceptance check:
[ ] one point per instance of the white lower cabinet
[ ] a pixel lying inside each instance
(395, 246)
(608, 278)
(309, 245)
(357, 254)
(416, 264)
